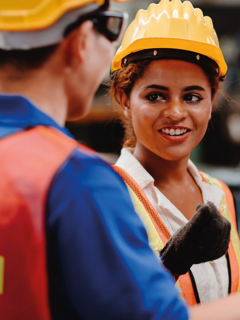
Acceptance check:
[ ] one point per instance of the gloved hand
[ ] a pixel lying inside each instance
(204, 238)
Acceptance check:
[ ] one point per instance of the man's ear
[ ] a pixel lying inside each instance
(79, 43)
(125, 103)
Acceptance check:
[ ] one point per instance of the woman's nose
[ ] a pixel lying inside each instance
(175, 110)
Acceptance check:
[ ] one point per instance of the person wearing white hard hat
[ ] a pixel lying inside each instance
(165, 77)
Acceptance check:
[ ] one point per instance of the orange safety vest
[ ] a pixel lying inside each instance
(158, 233)
(29, 162)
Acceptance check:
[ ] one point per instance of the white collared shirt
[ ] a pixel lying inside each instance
(211, 278)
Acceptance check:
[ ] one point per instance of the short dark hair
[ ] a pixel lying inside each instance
(26, 59)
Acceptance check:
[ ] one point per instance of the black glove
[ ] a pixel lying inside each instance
(204, 238)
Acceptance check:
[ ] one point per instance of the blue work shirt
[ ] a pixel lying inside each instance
(100, 265)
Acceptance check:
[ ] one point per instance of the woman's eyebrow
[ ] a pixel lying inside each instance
(156, 86)
(193, 88)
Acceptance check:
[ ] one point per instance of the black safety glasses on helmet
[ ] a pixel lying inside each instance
(111, 24)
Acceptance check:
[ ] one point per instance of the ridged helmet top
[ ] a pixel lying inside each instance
(28, 15)
(173, 25)
(177, 20)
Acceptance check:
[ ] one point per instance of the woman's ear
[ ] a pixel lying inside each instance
(211, 110)
(212, 103)
(125, 103)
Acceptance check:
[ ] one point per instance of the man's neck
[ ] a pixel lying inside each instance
(44, 89)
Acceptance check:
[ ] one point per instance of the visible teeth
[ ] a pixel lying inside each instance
(173, 132)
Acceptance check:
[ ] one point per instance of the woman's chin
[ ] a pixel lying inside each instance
(173, 156)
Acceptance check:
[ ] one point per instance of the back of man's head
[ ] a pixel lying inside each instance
(28, 25)
(57, 47)
(30, 30)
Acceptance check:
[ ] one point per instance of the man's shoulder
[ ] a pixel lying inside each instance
(84, 168)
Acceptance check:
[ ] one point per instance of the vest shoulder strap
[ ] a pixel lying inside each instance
(228, 194)
(227, 209)
(137, 190)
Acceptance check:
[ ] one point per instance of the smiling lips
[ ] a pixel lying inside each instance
(174, 134)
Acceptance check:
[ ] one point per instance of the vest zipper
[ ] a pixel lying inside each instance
(194, 287)
(229, 273)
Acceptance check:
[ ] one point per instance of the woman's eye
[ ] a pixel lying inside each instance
(192, 98)
(155, 97)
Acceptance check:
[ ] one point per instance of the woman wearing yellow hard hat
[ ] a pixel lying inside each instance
(165, 77)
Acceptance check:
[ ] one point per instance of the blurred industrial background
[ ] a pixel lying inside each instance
(219, 152)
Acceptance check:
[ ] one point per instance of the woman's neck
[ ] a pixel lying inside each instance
(173, 179)
(163, 171)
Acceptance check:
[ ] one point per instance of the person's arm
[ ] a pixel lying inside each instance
(99, 262)
(224, 309)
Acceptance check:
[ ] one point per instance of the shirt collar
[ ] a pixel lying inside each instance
(129, 163)
(18, 113)
(209, 192)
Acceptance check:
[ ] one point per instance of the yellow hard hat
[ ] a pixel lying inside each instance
(23, 15)
(27, 24)
(174, 26)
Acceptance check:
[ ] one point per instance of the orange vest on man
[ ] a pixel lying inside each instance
(25, 180)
